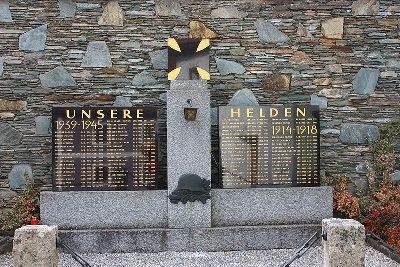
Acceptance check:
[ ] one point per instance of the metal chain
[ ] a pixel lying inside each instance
(303, 249)
(74, 255)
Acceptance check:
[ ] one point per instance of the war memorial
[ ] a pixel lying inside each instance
(215, 126)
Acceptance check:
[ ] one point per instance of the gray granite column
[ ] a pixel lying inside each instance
(189, 148)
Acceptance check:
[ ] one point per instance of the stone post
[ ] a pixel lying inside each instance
(35, 245)
(189, 148)
(345, 243)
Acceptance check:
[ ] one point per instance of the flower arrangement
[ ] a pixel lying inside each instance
(25, 209)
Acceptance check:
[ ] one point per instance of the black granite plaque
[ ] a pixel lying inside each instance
(269, 146)
(104, 148)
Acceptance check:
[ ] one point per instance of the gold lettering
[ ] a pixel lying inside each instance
(273, 112)
(127, 114)
(250, 113)
(262, 113)
(302, 112)
(100, 114)
(235, 112)
(86, 114)
(113, 114)
(139, 113)
(288, 112)
(69, 116)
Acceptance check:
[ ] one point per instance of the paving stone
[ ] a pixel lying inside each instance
(57, 77)
(19, 176)
(365, 7)
(365, 81)
(97, 55)
(12, 105)
(322, 102)
(168, 8)
(113, 15)
(43, 125)
(5, 14)
(353, 133)
(1, 66)
(229, 12)
(159, 59)
(67, 8)
(332, 28)
(200, 30)
(244, 97)
(122, 101)
(277, 82)
(34, 40)
(144, 78)
(9, 135)
(227, 67)
(268, 33)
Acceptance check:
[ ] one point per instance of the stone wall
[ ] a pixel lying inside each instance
(341, 55)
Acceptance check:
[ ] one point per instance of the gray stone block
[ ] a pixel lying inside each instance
(57, 77)
(188, 149)
(5, 14)
(229, 67)
(365, 81)
(159, 59)
(35, 245)
(244, 97)
(322, 102)
(268, 33)
(9, 135)
(144, 78)
(264, 206)
(43, 125)
(395, 177)
(19, 176)
(104, 209)
(167, 8)
(113, 15)
(358, 133)
(87, 6)
(227, 12)
(122, 101)
(345, 243)
(214, 116)
(365, 7)
(97, 55)
(34, 40)
(67, 8)
(188, 239)
(1, 66)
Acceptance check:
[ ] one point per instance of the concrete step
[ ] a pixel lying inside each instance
(198, 239)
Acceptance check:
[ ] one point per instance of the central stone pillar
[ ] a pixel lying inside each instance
(189, 148)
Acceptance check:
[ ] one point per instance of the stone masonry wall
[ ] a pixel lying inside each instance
(342, 55)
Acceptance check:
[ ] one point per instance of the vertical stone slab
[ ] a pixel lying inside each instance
(189, 148)
(345, 243)
(35, 245)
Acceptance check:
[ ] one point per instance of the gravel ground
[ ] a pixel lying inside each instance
(255, 258)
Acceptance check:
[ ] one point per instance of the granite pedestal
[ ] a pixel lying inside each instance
(188, 149)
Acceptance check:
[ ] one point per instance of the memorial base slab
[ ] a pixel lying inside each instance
(188, 239)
